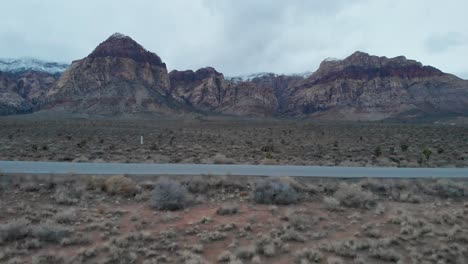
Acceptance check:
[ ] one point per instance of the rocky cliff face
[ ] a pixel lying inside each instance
(118, 77)
(203, 89)
(365, 87)
(207, 91)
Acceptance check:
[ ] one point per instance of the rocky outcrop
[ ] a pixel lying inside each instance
(19, 91)
(118, 77)
(203, 89)
(249, 99)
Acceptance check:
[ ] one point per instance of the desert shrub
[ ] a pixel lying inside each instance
(346, 248)
(82, 143)
(78, 239)
(153, 147)
(225, 256)
(170, 217)
(334, 260)
(169, 195)
(448, 188)
(268, 161)
(299, 221)
(245, 253)
(222, 159)
(331, 203)
(49, 232)
(274, 192)
(404, 147)
(66, 216)
(308, 255)
(256, 260)
(191, 258)
(335, 144)
(48, 259)
(385, 254)
(212, 236)
(266, 246)
(95, 183)
(120, 185)
(67, 196)
(30, 187)
(292, 235)
(267, 148)
(352, 195)
(14, 230)
(228, 209)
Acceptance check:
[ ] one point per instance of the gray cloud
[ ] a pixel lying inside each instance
(243, 36)
(442, 42)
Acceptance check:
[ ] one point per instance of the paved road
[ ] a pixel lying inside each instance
(31, 167)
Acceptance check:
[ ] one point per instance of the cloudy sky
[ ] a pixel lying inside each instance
(242, 36)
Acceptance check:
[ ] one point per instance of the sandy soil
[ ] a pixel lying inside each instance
(81, 219)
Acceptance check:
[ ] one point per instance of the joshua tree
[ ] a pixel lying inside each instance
(378, 151)
(427, 153)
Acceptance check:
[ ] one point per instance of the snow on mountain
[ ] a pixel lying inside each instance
(31, 64)
(332, 59)
(250, 77)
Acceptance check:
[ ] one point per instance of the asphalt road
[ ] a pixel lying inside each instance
(32, 167)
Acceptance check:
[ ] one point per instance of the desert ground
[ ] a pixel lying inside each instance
(211, 140)
(221, 219)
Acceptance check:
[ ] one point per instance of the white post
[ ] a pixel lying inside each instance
(141, 140)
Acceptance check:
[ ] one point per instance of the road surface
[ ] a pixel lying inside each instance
(32, 167)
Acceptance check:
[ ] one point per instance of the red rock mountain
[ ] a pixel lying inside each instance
(207, 91)
(365, 87)
(121, 77)
(118, 77)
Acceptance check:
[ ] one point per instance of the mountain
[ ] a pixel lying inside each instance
(365, 87)
(23, 81)
(30, 64)
(118, 77)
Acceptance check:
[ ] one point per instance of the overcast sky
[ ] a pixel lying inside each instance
(242, 36)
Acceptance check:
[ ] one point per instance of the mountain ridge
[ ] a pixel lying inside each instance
(121, 77)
